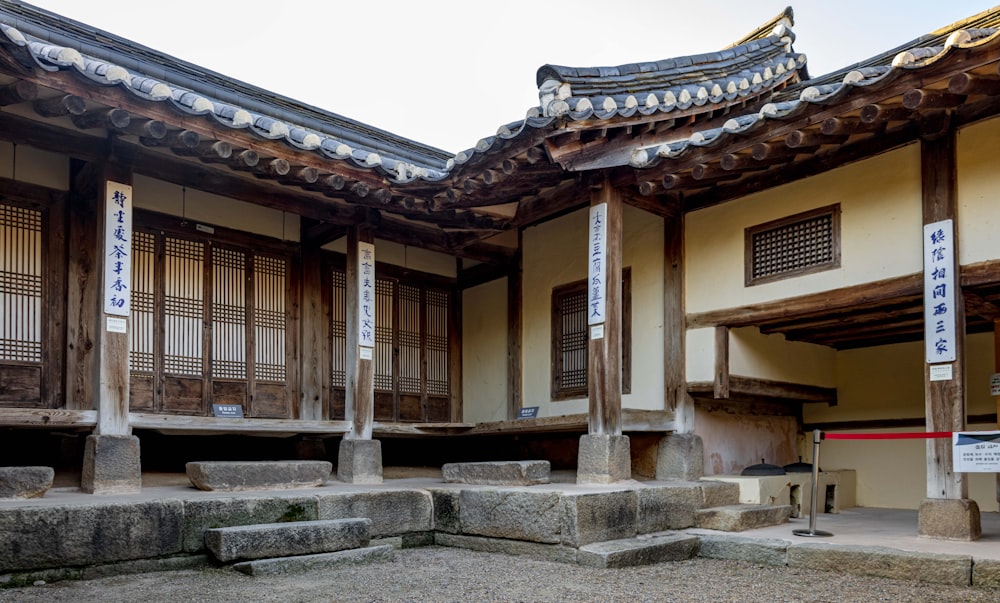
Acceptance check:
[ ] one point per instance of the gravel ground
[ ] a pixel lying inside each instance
(445, 574)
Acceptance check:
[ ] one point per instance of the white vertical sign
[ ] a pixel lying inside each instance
(939, 292)
(597, 262)
(118, 249)
(366, 295)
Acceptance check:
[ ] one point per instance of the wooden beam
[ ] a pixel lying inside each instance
(515, 331)
(360, 402)
(674, 332)
(313, 322)
(971, 84)
(17, 92)
(754, 388)
(58, 106)
(720, 388)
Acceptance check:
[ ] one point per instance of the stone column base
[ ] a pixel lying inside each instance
(681, 456)
(111, 465)
(603, 459)
(949, 519)
(360, 461)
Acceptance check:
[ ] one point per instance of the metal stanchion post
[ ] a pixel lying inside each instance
(812, 531)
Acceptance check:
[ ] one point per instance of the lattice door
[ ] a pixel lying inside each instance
(21, 306)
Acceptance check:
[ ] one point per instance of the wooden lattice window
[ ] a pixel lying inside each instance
(20, 284)
(800, 244)
(570, 338)
(208, 326)
(413, 347)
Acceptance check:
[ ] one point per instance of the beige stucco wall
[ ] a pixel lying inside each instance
(555, 254)
(880, 225)
(886, 382)
(753, 354)
(699, 355)
(214, 210)
(28, 164)
(484, 352)
(405, 256)
(978, 210)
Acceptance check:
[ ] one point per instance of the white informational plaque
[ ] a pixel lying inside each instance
(366, 295)
(118, 249)
(939, 292)
(976, 451)
(597, 264)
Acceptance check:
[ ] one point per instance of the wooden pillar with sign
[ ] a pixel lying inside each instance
(604, 454)
(111, 457)
(360, 457)
(947, 511)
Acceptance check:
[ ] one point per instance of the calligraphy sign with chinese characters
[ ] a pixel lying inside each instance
(366, 295)
(939, 292)
(597, 262)
(118, 249)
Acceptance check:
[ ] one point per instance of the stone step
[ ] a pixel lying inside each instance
(642, 550)
(231, 476)
(737, 518)
(500, 473)
(25, 482)
(304, 563)
(269, 540)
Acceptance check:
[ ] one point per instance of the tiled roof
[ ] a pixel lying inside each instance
(751, 68)
(40, 39)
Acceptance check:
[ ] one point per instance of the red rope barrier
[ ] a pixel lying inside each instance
(909, 435)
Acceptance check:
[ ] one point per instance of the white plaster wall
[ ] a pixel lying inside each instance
(28, 164)
(699, 355)
(207, 208)
(555, 254)
(978, 195)
(880, 224)
(753, 354)
(413, 258)
(484, 352)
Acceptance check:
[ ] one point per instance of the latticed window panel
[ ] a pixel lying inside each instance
(409, 340)
(436, 341)
(338, 330)
(383, 334)
(229, 314)
(269, 318)
(141, 356)
(184, 307)
(20, 284)
(573, 340)
(796, 245)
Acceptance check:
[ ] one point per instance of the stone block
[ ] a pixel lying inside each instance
(680, 456)
(77, 535)
(392, 512)
(949, 519)
(759, 551)
(986, 573)
(269, 540)
(599, 516)
(236, 476)
(446, 506)
(883, 562)
(504, 473)
(204, 513)
(318, 561)
(520, 548)
(737, 518)
(603, 459)
(359, 461)
(111, 465)
(668, 507)
(719, 494)
(25, 482)
(514, 514)
(644, 550)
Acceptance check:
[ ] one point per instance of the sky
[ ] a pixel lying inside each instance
(449, 72)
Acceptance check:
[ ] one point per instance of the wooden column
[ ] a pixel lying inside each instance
(359, 406)
(514, 325)
(996, 369)
(945, 401)
(674, 327)
(604, 367)
(82, 287)
(314, 361)
(112, 393)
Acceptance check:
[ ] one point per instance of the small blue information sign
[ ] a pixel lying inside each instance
(228, 411)
(528, 412)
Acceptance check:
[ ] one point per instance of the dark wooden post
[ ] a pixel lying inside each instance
(946, 512)
(314, 333)
(604, 369)
(360, 402)
(514, 326)
(674, 328)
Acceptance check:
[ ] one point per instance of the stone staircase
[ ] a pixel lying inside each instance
(273, 548)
